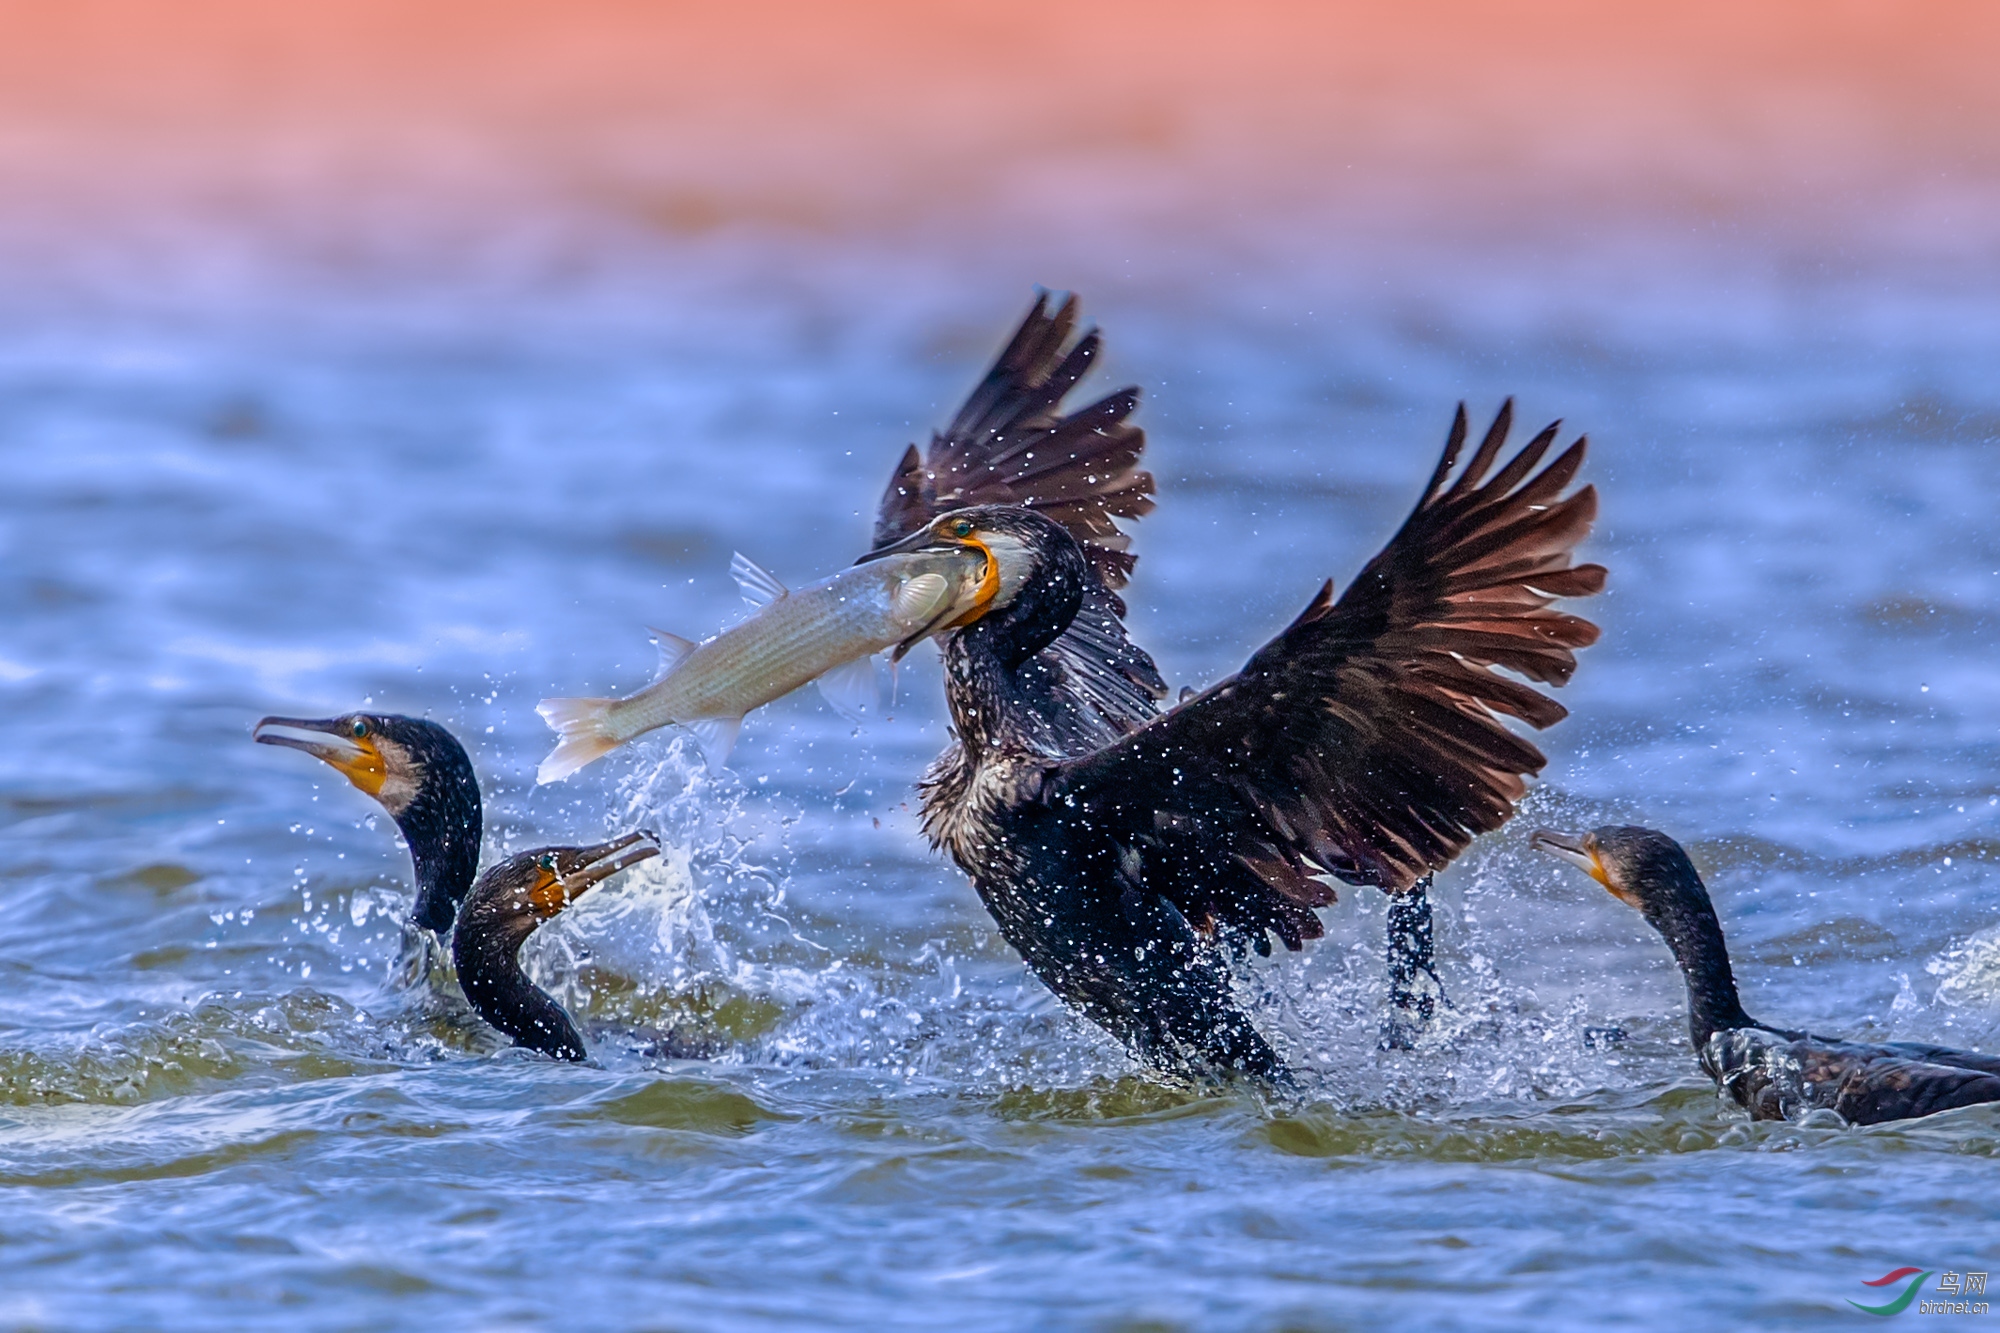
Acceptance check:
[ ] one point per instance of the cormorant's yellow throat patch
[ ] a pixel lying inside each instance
(1603, 876)
(1008, 562)
(549, 895)
(989, 584)
(363, 765)
(1625, 896)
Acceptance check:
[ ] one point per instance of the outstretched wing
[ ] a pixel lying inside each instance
(1011, 444)
(1365, 741)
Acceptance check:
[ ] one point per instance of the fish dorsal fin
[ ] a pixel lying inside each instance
(854, 689)
(673, 651)
(759, 586)
(918, 600)
(717, 737)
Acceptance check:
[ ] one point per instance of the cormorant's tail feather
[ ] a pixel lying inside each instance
(584, 736)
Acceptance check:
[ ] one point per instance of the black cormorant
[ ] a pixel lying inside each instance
(1775, 1073)
(1364, 744)
(505, 906)
(420, 774)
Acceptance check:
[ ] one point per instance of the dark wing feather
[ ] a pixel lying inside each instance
(1866, 1084)
(1093, 684)
(1365, 741)
(1887, 1089)
(1011, 444)
(1977, 1061)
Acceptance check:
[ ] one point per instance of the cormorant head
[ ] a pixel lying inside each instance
(387, 756)
(504, 908)
(1035, 571)
(511, 899)
(420, 774)
(1642, 868)
(1648, 870)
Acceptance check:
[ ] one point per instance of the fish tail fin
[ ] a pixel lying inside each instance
(583, 732)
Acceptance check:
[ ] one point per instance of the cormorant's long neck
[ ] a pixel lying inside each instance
(443, 824)
(1687, 921)
(983, 661)
(989, 701)
(982, 686)
(486, 951)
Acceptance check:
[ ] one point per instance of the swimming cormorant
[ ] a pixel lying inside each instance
(419, 773)
(505, 906)
(1775, 1073)
(1364, 744)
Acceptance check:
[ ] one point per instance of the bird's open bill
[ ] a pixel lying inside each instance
(343, 742)
(569, 871)
(1580, 850)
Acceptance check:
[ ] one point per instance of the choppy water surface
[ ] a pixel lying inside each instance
(454, 492)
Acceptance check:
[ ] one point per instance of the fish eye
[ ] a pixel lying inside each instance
(547, 861)
(962, 528)
(360, 728)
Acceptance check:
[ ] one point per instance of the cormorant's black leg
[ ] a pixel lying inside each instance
(1414, 988)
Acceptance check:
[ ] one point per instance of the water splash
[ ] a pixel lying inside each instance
(1969, 974)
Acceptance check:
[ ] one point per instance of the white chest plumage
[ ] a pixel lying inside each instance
(963, 806)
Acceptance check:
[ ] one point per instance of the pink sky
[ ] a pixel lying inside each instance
(1869, 119)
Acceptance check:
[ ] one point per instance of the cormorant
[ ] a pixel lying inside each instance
(505, 906)
(1009, 444)
(419, 773)
(1775, 1073)
(1364, 744)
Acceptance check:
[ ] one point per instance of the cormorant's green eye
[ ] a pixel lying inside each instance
(962, 528)
(360, 728)
(547, 862)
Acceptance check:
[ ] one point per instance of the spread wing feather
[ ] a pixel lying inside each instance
(1366, 741)
(1011, 444)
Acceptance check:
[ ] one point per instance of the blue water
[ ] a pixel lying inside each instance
(248, 476)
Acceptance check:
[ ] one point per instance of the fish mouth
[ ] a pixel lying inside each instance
(345, 743)
(1580, 850)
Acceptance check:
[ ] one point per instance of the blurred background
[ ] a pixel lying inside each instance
(422, 355)
(315, 305)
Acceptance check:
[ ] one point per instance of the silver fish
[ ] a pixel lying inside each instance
(826, 632)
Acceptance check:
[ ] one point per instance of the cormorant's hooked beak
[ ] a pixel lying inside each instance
(331, 740)
(926, 540)
(567, 872)
(1581, 852)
